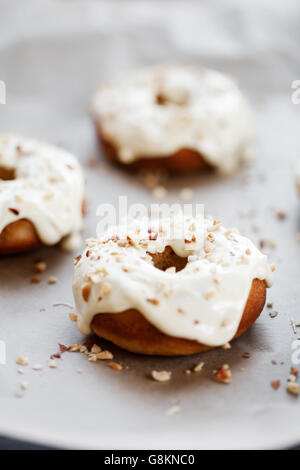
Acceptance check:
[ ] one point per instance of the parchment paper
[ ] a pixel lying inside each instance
(53, 54)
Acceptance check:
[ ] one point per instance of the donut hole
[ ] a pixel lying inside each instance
(168, 259)
(7, 174)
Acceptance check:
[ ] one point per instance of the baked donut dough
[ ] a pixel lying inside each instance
(174, 117)
(158, 288)
(41, 195)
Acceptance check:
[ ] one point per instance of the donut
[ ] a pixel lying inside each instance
(41, 196)
(151, 287)
(173, 117)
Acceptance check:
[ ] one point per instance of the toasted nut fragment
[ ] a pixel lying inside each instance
(73, 317)
(153, 301)
(294, 371)
(106, 288)
(198, 367)
(275, 384)
(37, 367)
(86, 289)
(161, 375)
(22, 361)
(75, 347)
(293, 388)
(115, 366)
(52, 280)
(223, 374)
(40, 267)
(92, 358)
(103, 355)
(95, 349)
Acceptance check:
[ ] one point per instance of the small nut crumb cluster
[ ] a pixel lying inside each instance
(223, 374)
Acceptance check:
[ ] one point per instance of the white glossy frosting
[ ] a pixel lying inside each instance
(47, 189)
(204, 301)
(204, 111)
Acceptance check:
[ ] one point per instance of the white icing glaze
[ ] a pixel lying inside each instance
(204, 301)
(47, 189)
(204, 111)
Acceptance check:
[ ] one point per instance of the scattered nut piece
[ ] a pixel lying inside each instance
(73, 317)
(52, 365)
(294, 371)
(20, 371)
(52, 280)
(92, 358)
(85, 291)
(96, 349)
(159, 192)
(186, 194)
(275, 384)
(161, 375)
(293, 388)
(115, 366)
(22, 361)
(37, 367)
(40, 267)
(35, 280)
(198, 367)
(24, 385)
(281, 215)
(223, 374)
(103, 355)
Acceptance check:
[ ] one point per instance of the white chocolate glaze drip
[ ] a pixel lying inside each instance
(47, 189)
(203, 110)
(204, 301)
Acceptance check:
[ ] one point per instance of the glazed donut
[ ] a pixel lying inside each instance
(174, 117)
(152, 292)
(41, 195)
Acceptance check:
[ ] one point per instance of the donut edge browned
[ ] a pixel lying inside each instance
(131, 331)
(184, 160)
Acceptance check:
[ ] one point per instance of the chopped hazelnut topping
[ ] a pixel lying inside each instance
(294, 371)
(198, 367)
(75, 348)
(270, 304)
(24, 385)
(35, 280)
(103, 355)
(208, 295)
(115, 366)
(293, 388)
(153, 301)
(96, 349)
(273, 268)
(248, 251)
(37, 367)
(52, 280)
(22, 361)
(275, 384)
(86, 289)
(40, 267)
(281, 215)
(92, 358)
(73, 317)
(159, 192)
(223, 374)
(161, 375)
(52, 365)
